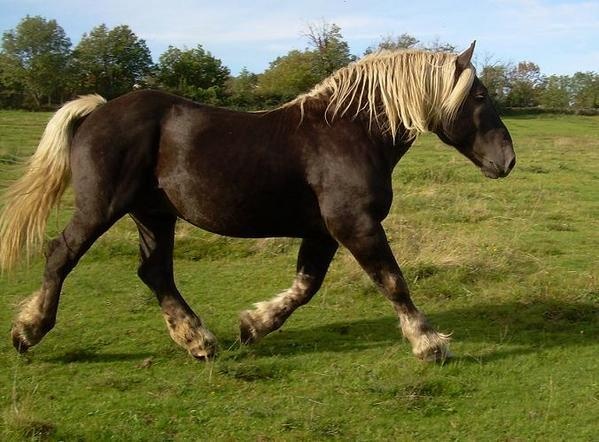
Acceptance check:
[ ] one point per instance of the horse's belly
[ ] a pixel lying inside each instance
(243, 211)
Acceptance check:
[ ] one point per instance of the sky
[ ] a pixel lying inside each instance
(561, 36)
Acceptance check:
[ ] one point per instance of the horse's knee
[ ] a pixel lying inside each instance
(60, 259)
(153, 276)
(51, 247)
(145, 273)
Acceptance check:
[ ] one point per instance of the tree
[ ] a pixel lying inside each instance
(242, 90)
(439, 46)
(34, 61)
(194, 73)
(585, 90)
(288, 76)
(494, 76)
(407, 41)
(555, 92)
(524, 82)
(11, 93)
(111, 62)
(298, 71)
(389, 42)
(330, 50)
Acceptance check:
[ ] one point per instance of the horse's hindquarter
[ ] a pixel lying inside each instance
(234, 174)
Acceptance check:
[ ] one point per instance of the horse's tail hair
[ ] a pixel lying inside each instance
(30, 199)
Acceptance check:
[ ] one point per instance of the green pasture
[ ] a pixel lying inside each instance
(510, 267)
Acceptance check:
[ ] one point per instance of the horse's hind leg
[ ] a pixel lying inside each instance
(313, 261)
(156, 234)
(38, 313)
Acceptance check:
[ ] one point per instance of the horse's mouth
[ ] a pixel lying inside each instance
(491, 173)
(489, 168)
(494, 172)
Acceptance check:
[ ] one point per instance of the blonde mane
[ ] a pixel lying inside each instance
(413, 89)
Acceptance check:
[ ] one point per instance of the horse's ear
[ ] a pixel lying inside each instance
(463, 60)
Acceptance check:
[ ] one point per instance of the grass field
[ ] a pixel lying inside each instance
(510, 267)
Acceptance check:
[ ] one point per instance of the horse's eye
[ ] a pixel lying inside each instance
(480, 97)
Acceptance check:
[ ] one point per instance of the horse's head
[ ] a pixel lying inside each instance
(477, 131)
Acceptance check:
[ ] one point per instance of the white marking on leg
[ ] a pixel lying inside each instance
(187, 330)
(427, 344)
(27, 327)
(270, 315)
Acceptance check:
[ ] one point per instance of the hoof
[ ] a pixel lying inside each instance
(433, 347)
(19, 343)
(204, 346)
(189, 333)
(438, 356)
(247, 332)
(23, 337)
(205, 351)
(202, 356)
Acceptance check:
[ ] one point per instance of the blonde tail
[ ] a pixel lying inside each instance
(29, 200)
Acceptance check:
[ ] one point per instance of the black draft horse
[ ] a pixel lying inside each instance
(317, 168)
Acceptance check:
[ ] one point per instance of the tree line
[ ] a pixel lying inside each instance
(40, 69)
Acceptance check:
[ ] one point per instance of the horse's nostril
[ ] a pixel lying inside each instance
(512, 164)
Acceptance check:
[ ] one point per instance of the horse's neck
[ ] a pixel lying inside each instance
(395, 147)
(318, 108)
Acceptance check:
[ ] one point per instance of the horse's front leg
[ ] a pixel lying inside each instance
(313, 261)
(368, 244)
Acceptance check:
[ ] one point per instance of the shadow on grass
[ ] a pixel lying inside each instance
(505, 330)
(88, 355)
(502, 330)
